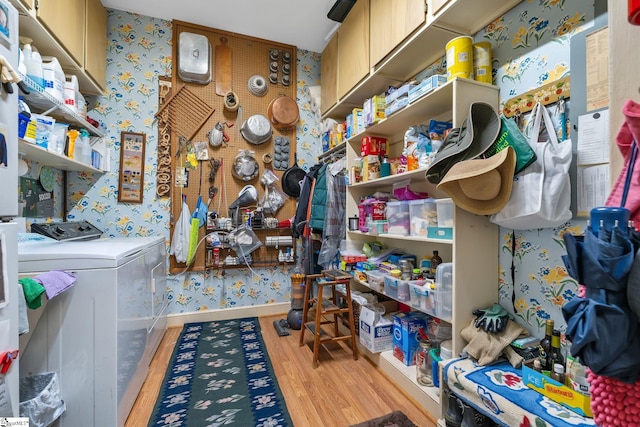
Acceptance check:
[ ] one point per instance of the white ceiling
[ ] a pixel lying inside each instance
(301, 23)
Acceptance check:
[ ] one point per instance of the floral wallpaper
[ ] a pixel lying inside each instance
(530, 46)
(139, 52)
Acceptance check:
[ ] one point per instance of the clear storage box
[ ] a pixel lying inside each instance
(398, 217)
(443, 292)
(375, 279)
(445, 212)
(423, 214)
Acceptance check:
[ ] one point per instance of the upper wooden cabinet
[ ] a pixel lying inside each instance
(392, 21)
(95, 41)
(74, 31)
(65, 19)
(353, 47)
(329, 75)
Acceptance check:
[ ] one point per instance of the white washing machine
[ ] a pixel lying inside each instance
(101, 334)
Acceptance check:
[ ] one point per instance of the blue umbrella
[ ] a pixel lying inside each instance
(601, 327)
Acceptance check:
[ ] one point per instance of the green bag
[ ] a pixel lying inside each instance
(510, 135)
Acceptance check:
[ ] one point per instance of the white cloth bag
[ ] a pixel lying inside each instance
(541, 193)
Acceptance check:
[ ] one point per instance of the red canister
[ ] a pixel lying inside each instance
(378, 210)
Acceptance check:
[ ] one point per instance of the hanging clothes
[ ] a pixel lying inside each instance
(319, 201)
(334, 222)
(300, 218)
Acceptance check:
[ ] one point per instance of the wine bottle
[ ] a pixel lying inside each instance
(545, 345)
(555, 357)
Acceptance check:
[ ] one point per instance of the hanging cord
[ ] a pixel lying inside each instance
(627, 181)
(513, 270)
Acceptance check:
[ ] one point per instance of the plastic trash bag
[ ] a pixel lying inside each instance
(40, 399)
(181, 234)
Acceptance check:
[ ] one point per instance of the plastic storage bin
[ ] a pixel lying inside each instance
(445, 212)
(398, 217)
(423, 214)
(399, 289)
(444, 286)
(375, 279)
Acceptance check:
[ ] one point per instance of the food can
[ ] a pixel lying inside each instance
(482, 62)
(459, 57)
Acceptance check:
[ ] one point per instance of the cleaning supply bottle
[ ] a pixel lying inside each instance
(71, 147)
(33, 63)
(85, 147)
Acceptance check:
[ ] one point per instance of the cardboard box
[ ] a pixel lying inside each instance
(373, 145)
(426, 86)
(370, 167)
(401, 92)
(358, 121)
(374, 110)
(406, 335)
(566, 396)
(376, 332)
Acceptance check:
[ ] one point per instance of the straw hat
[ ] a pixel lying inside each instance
(475, 135)
(481, 186)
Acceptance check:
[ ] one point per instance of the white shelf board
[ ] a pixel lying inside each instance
(420, 239)
(49, 158)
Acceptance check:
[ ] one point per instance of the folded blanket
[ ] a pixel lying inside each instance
(56, 281)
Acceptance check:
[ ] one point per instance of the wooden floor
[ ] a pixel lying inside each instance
(339, 393)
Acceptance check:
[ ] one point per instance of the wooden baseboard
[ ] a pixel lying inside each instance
(180, 319)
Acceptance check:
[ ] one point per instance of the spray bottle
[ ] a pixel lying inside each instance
(85, 147)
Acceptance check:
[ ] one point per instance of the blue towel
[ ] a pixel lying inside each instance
(55, 282)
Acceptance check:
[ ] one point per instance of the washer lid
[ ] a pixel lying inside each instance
(82, 255)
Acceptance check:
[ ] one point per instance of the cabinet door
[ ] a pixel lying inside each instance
(65, 19)
(95, 55)
(391, 22)
(329, 75)
(353, 48)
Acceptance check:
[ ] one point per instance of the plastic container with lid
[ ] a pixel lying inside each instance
(54, 79)
(443, 292)
(444, 209)
(398, 217)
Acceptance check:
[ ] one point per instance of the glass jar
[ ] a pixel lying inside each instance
(424, 369)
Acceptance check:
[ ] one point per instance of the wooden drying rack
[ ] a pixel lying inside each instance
(547, 94)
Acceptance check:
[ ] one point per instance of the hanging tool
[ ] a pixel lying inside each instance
(223, 68)
(8, 76)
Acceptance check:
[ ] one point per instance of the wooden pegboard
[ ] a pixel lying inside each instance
(250, 56)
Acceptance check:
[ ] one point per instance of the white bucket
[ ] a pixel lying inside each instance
(54, 79)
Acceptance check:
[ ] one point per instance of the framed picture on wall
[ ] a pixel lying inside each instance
(5, 22)
(131, 182)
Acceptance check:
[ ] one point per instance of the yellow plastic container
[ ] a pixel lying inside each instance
(73, 135)
(482, 62)
(460, 57)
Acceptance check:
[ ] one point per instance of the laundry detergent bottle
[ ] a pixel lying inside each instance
(32, 62)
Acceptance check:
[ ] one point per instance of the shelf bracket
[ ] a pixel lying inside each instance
(546, 94)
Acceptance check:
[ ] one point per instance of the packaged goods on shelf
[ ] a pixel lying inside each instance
(358, 121)
(558, 392)
(370, 167)
(71, 91)
(426, 86)
(377, 226)
(373, 145)
(407, 330)
(399, 93)
(376, 329)
(375, 279)
(44, 128)
(396, 105)
(373, 110)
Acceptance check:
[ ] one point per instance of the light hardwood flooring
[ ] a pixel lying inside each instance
(339, 393)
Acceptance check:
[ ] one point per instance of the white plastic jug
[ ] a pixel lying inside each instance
(33, 64)
(53, 77)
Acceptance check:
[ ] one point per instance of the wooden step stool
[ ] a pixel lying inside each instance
(327, 311)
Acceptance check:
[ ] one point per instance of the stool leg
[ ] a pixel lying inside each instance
(354, 346)
(334, 295)
(316, 338)
(305, 307)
